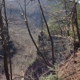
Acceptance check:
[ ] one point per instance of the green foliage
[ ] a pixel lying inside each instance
(50, 77)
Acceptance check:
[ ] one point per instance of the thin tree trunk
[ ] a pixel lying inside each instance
(48, 31)
(68, 34)
(27, 25)
(10, 64)
(4, 48)
(76, 23)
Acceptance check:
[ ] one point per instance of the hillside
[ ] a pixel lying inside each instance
(53, 28)
(23, 51)
(70, 69)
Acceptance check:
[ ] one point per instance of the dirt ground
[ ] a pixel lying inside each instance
(70, 69)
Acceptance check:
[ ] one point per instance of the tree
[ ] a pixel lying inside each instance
(5, 42)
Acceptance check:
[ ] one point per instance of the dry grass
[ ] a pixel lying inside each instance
(70, 70)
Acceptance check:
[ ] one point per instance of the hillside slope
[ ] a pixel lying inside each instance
(70, 70)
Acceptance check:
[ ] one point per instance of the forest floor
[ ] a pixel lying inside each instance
(70, 69)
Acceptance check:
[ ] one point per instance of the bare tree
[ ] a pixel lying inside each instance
(27, 25)
(8, 38)
(4, 48)
(5, 42)
(48, 31)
